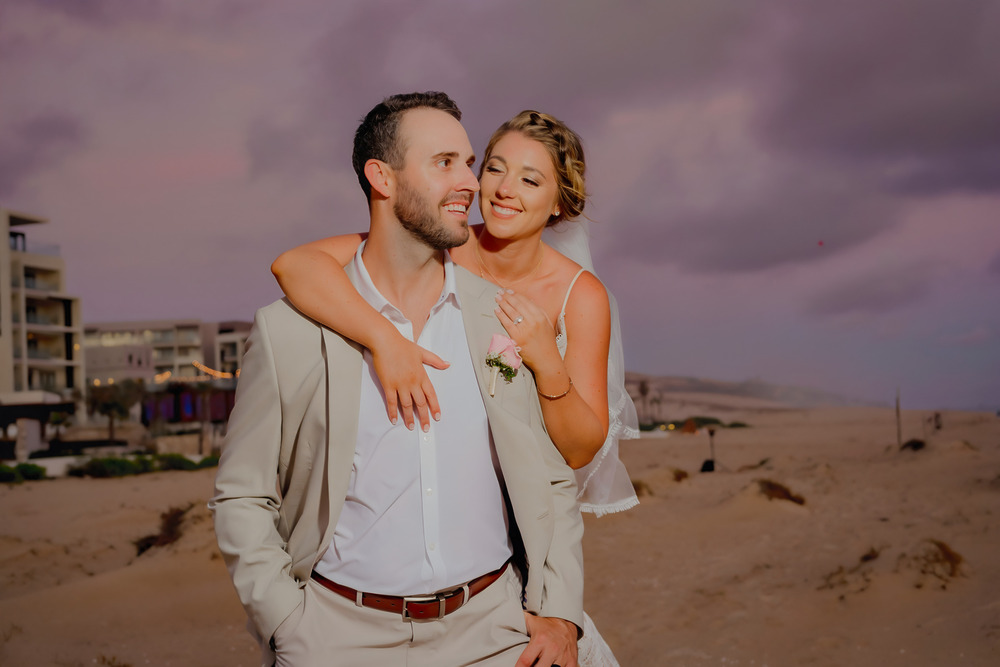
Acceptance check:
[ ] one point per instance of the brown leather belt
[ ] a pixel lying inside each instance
(416, 607)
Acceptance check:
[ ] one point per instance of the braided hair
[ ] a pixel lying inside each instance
(566, 151)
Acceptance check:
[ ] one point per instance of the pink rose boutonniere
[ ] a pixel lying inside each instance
(503, 359)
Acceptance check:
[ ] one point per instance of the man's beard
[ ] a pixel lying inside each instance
(418, 218)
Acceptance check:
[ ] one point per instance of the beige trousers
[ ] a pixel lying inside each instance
(329, 630)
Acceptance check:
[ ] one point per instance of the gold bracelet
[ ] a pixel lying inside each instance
(555, 396)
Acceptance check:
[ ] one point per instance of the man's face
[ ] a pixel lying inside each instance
(436, 185)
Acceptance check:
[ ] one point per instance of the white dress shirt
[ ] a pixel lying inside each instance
(424, 511)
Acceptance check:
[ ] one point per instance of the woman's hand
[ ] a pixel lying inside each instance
(399, 365)
(529, 327)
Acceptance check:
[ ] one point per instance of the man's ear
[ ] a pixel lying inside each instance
(380, 176)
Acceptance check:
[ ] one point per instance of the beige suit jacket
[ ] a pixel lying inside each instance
(285, 468)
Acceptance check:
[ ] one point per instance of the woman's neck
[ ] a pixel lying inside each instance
(508, 262)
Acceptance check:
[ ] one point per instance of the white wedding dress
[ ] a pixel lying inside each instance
(604, 484)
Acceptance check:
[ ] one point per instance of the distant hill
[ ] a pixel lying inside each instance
(798, 397)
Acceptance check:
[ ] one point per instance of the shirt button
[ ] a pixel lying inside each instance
(427, 438)
(430, 492)
(432, 546)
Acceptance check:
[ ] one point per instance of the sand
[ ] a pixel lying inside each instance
(893, 559)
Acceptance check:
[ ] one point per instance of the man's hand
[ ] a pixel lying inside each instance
(552, 643)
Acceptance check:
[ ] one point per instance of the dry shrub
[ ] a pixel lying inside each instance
(941, 561)
(754, 466)
(869, 555)
(774, 491)
(111, 662)
(641, 488)
(962, 446)
(10, 633)
(170, 530)
(935, 559)
(913, 445)
(679, 475)
(856, 578)
(947, 558)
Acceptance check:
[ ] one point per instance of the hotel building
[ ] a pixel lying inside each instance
(41, 330)
(163, 351)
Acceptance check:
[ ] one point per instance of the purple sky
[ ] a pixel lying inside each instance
(178, 147)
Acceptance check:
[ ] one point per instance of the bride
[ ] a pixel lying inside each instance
(552, 306)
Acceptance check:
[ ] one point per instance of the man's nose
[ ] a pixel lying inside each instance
(469, 181)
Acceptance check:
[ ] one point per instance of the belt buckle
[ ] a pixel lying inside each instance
(423, 598)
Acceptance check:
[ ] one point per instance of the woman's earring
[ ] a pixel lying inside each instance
(556, 212)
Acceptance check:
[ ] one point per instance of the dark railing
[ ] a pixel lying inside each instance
(41, 319)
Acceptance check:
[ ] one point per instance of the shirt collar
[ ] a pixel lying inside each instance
(366, 288)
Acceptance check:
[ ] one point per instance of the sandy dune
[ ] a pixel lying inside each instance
(893, 559)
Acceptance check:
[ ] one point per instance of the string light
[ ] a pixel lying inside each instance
(208, 374)
(221, 375)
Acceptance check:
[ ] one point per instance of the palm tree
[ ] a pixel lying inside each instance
(203, 394)
(58, 419)
(114, 400)
(657, 402)
(644, 392)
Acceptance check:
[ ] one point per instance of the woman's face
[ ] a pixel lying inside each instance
(518, 188)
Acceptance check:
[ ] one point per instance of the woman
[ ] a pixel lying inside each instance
(555, 310)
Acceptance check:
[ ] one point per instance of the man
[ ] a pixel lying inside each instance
(355, 541)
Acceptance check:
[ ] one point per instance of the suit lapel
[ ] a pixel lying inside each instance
(476, 298)
(518, 449)
(343, 360)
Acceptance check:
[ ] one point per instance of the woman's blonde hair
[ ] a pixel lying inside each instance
(566, 151)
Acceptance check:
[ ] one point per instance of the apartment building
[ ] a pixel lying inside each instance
(147, 350)
(229, 346)
(41, 332)
(163, 351)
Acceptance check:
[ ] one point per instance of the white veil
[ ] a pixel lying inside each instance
(604, 485)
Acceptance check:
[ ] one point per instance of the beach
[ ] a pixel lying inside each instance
(891, 557)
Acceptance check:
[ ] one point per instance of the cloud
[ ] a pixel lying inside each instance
(98, 12)
(875, 292)
(905, 88)
(994, 266)
(31, 146)
(106, 13)
(579, 65)
(699, 191)
(976, 336)
(792, 216)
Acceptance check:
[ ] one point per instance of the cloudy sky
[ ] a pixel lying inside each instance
(805, 193)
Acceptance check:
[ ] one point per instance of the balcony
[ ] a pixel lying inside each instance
(163, 356)
(43, 319)
(19, 243)
(188, 337)
(34, 283)
(45, 355)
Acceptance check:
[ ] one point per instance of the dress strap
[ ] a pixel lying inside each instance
(562, 313)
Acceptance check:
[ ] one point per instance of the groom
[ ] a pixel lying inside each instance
(353, 541)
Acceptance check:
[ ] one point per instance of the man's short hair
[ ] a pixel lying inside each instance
(377, 138)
